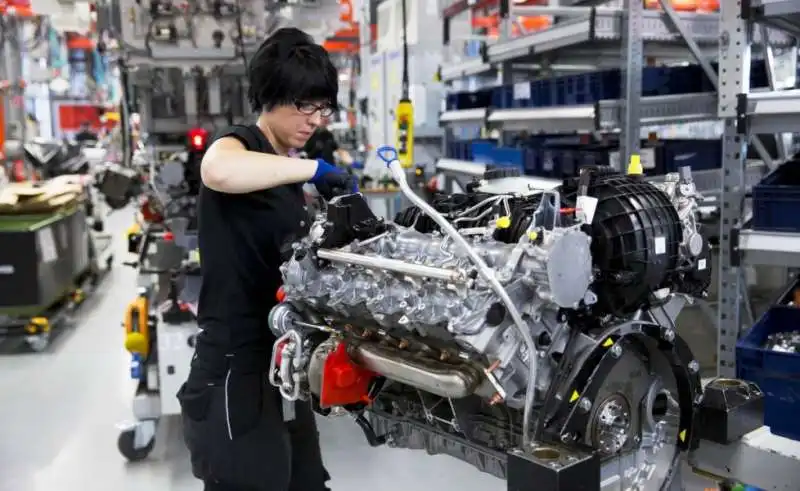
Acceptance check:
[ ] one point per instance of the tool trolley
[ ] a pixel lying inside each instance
(160, 328)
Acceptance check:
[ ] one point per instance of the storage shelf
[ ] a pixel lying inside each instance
(603, 27)
(778, 14)
(708, 182)
(460, 167)
(606, 115)
(771, 112)
(465, 169)
(464, 116)
(467, 68)
(769, 248)
(759, 459)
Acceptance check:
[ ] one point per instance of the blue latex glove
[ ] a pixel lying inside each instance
(332, 181)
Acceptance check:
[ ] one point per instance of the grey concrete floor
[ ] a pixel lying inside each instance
(60, 411)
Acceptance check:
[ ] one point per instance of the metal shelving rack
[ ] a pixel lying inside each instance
(604, 37)
(745, 114)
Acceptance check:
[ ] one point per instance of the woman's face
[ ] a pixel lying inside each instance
(294, 124)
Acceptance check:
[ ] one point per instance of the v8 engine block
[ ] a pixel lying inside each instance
(506, 320)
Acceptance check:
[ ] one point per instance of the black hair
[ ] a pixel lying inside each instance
(289, 68)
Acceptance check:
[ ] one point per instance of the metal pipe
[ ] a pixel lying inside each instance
(435, 377)
(534, 10)
(393, 265)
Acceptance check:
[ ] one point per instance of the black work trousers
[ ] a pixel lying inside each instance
(239, 441)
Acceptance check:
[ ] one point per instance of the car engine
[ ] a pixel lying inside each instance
(480, 325)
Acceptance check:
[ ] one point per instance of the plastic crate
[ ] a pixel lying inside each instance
(508, 156)
(540, 162)
(777, 374)
(684, 80)
(586, 88)
(776, 200)
(459, 150)
(758, 76)
(469, 100)
(483, 153)
(698, 154)
(559, 161)
(503, 97)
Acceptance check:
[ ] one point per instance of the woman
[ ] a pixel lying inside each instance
(251, 208)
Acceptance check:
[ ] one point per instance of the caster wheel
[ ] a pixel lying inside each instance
(125, 444)
(39, 343)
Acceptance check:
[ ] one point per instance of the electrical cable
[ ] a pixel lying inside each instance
(127, 136)
(240, 38)
(406, 88)
(3, 32)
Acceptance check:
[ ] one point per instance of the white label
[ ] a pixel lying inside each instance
(701, 265)
(613, 160)
(648, 156)
(7, 269)
(547, 162)
(418, 94)
(47, 245)
(152, 377)
(661, 245)
(522, 91)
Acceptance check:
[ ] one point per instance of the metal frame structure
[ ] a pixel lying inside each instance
(614, 37)
(11, 71)
(590, 33)
(745, 114)
(759, 459)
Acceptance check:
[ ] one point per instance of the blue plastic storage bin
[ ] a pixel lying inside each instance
(483, 153)
(539, 162)
(586, 88)
(564, 160)
(776, 200)
(459, 150)
(777, 374)
(503, 97)
(469, 100)
(508, 156)
(758, 76)
(539, 95)
(700, 155)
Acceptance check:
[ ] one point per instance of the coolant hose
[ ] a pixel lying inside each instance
(389, 156)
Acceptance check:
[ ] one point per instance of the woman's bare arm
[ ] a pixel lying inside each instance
(228, 167)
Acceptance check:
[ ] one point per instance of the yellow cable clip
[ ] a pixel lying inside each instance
(503, 222)
(635, 166)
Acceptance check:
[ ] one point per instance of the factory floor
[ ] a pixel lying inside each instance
(60, 411)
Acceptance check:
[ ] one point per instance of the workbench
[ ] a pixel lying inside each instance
(760, 459)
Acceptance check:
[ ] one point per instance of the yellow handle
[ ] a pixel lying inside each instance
(137, 328)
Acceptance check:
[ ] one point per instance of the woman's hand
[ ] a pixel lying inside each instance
(332, 181)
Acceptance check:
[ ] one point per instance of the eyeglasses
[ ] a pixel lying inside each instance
(309, 109)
